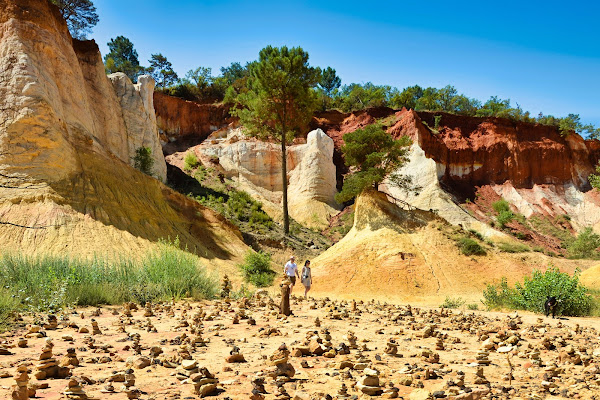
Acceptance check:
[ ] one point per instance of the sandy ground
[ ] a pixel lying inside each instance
(462, 332)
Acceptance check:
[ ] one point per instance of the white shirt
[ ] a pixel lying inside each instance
(290, 268)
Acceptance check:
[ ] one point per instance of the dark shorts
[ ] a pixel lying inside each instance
(292, 279)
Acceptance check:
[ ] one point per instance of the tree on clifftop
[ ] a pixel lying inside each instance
(372, 155)
(162, 71)
(80, 16)
(280, 101)
(122, 57)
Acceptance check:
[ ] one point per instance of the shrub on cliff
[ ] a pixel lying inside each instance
(585, 245)
(470, 247)
(143, 160)
(190, 161)
(532, 292)
(256, 269)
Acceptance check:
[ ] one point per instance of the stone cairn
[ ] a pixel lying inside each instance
(205, 383)
(390, 392)
(235, 356)
(21, 391)
(148, 312)
(391, 348)
(95, 328)
(258, 388)
(369, 383)
(351, 338)
(51, 322)
(47, 367)
(70, 359)
(226, 287)
(186, 369)
(21, 342)
(4, 351)
(342, 393)
(74, 390)
(281, 370)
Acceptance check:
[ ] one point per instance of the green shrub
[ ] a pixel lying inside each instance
(513, 247)
(257, 269)
(585, 245)
(470, 247)
(190, 161)
(143, 160)
(452, 302)
(532, 293)
(473, 306)
(501, 205)
(504, 218)
(476, 234)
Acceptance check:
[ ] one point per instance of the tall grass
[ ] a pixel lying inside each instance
(49, 283)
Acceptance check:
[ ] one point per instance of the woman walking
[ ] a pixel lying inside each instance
(306, 277)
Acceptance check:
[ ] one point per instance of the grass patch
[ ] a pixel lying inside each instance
(574, 299)
(451, 302)
(513, 247)
(470, 247)
(50, 283)
(190, 161)
(257, 269)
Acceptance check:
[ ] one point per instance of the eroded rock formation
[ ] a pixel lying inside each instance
(256, 165)
(180, 119)
(66, 141)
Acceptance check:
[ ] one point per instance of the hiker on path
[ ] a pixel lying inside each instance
(291, 271)
(306, 277)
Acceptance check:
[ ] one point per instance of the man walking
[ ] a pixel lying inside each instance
(291, 271)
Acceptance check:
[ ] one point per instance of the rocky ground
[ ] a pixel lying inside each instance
(327, 349)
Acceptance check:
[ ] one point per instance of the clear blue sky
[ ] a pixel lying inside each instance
(545, 56)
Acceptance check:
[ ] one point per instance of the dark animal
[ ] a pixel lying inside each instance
(551, 305)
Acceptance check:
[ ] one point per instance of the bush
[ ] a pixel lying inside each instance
(452, 302)
(143, 160)
(532, 293)
(476, 234)
(500, 206)
(585, 245)
(470, 247)
(504, 218)
(190, 161)
(257, 269)
(513, 247)
(473, 306)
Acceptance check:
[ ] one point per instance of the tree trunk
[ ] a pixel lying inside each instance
(286, 217)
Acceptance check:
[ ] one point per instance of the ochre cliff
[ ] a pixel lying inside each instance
(66, 140)
(181, 119)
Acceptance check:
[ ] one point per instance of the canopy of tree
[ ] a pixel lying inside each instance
(80, 15)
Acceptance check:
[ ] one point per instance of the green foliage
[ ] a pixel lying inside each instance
(505, 215)
(595, 179)
(373, 154)
(470, 247)
(257, 269)
(513, 247)
(473, 306)
(532, 293)
(436, 124)
(330, 82)
(355, 96)
(162, 71)
(279, 101)
(122, 57)
(450, 302)
(50, 283)
(585, 245)
(476, 234)
(143, 160)
(80, 15)
(190, 161)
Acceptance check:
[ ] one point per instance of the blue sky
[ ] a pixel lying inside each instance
(545, 56)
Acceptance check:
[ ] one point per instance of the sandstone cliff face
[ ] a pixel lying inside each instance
(140, 120)
(180, 119)
(66, 141)
(532, 166)
(256, 165)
